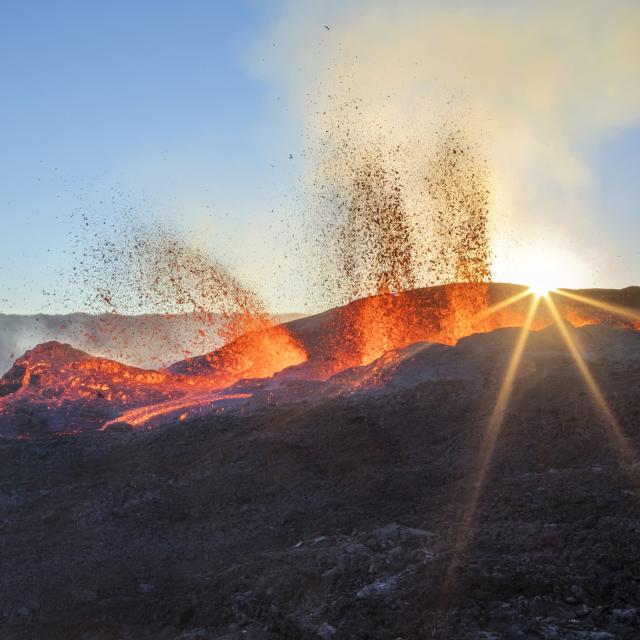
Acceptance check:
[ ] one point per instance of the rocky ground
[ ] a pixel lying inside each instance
(337, 517)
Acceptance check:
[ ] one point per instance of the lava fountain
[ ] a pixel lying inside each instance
(386, 229)
(379, 245)
(152, 267)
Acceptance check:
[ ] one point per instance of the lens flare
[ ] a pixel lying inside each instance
(618, 437)
(617, 310)
(485, 455)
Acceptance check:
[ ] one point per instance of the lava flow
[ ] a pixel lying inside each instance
(56, 388)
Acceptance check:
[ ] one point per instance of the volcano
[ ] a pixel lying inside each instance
(55, 388)
(462, 483)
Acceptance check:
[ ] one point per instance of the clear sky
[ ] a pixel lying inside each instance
(190, 110)
(148, 103)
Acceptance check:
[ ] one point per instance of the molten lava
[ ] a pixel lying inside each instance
(259, 353)
(56, 388)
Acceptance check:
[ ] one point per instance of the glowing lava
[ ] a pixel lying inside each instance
(56, 388)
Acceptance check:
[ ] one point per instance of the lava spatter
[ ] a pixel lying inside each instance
(457, 186)
(391, 215)
(150, 267)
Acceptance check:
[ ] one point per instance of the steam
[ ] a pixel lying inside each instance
(536, 85)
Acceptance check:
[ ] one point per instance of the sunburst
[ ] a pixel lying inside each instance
(486, 451)
(618, 437)
(499, 306)
(542, 289)
(614, 309)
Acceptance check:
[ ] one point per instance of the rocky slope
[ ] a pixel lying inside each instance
(338, 516)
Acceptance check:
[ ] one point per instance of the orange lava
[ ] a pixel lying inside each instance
(372, 326)
(56, 388)
(186, 406)
(363, 330)
(262, 351)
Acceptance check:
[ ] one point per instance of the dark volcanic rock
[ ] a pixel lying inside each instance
(56, 388)
(337, 517)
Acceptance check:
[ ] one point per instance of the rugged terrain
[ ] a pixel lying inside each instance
(338, 515)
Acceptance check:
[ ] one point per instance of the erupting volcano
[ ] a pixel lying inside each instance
(380, 228)
(383, 223)
(56, 388)
(299, 338)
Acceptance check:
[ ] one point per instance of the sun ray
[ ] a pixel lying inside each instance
(619, 439)
(486, 453)
(503, 304)
(605, 306)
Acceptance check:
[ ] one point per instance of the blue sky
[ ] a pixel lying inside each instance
(141, 102)
(189, 110)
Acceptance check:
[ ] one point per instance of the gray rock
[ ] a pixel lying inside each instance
(326, 631)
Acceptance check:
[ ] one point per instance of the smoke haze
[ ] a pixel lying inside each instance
(517, 77)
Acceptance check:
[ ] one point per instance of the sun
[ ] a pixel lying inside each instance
(541, 272)
(541, 283)
(539, 290)
(543, 269)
